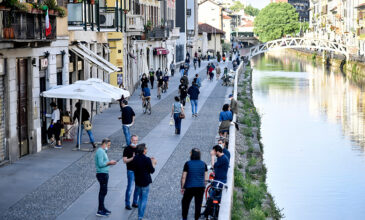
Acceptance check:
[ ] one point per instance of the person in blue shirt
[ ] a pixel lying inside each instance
(102, 165)
(198, 80)
(146, 95)
(193, 92)
(225, 117)
(221, 165)
(193, 179)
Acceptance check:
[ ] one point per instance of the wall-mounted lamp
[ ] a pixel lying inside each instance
(46, 54)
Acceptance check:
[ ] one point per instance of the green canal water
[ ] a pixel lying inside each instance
(313, 131)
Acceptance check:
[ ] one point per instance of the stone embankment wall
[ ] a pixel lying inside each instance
(251, 199)
(354, 69)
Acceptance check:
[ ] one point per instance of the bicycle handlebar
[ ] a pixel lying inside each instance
(219, 182)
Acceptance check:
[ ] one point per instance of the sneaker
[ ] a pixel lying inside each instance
(128, 207)
(58, 146)
(101, 214)
(94, 145)
(134, 205)
(107, 212)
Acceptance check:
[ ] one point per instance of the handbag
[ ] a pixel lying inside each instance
(87, 125)
(182, 115)
(172, 123)
(187, 99)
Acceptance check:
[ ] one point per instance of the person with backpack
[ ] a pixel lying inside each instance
(193, 179)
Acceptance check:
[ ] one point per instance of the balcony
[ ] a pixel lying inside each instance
(134, 23)
(83, 16)
(158, 33)
(25, 27)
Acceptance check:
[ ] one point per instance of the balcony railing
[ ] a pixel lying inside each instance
(158, 33)
(92, 17)
(21, 26)
(134, 23)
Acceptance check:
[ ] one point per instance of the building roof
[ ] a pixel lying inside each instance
(209, 29)
(226, 17)
(202, 2)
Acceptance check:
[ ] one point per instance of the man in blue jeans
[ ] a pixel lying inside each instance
(193, 92)
(127, 120)
(128, 156)
(85, 117)
(143, 167)
(102, 165)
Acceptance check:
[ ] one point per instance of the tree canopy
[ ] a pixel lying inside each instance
(237, 6)
(252, 11)
(276, 21)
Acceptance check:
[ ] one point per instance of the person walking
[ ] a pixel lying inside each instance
(182, 70)
(218, 72)
(178, 113)
(233, 105)
(158, 73)
(85, 118)
(172, 68)
(54, 129)
(128, 155)
(193, 179)
(194, 92)
(186, 80)
(127, 117)
(198, 80)
(183, 91)
(152, 77)
(225, 117)
(102, 165)
(199, 61)
(159, 86)
(143, 168)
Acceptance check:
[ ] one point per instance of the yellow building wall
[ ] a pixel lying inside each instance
(115, 40)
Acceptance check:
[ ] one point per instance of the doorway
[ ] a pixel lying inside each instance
(22, 125)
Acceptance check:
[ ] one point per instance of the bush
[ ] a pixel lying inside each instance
(238, 178)
(252, 161)
(257, 214)
(62, 11)
(252, 195)
(51, 4)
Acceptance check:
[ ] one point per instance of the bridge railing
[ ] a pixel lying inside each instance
(227, 195)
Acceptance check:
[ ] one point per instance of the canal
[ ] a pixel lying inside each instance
(313, 133)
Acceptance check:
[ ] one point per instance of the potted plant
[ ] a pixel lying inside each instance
(61, 11)
(8, 30)
(51, 4)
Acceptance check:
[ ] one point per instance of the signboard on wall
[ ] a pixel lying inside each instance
(44, 63)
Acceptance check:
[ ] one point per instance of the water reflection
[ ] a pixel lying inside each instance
(313, 132)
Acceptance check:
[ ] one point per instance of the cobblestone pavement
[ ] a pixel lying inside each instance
(70, 194)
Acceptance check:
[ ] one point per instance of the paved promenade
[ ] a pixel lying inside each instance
(61, 183)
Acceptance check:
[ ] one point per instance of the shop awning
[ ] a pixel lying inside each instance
(85, 53)
(161, 51)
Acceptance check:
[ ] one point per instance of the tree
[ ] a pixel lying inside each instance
(276, 21)
(252, 11)
(237, 6)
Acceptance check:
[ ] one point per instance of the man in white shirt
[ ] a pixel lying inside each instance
(55, 126)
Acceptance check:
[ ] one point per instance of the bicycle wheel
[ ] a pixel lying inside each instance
(144, 109)
(149, 109)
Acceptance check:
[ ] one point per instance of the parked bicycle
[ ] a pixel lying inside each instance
(213, 194)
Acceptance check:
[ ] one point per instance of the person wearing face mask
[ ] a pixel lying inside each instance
(102, 165)
(128, 156)
(223, 142)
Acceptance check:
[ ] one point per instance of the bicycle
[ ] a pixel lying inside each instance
(147, 106)
(213, 195)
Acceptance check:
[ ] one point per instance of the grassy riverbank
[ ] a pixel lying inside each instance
(251, 200)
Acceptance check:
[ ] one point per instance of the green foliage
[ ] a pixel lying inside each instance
(51, 4)
(257, 214)
(247, 132)
(252, 161)
(237, 211)
(276, 21)
(226, 47)
(238, 178)
(237, 6)
(62, 11)
(250, 10)
(252, 195)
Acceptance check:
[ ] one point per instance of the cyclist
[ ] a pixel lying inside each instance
(146, 96)
(159, 86)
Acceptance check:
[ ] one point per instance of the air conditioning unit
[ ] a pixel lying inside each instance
(106, 19)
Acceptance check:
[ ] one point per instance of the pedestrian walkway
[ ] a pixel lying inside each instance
(61, 183)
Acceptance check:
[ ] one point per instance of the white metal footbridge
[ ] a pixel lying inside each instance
(307, 43)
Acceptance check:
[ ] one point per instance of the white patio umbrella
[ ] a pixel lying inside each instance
(82, 90)
(120, 92)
